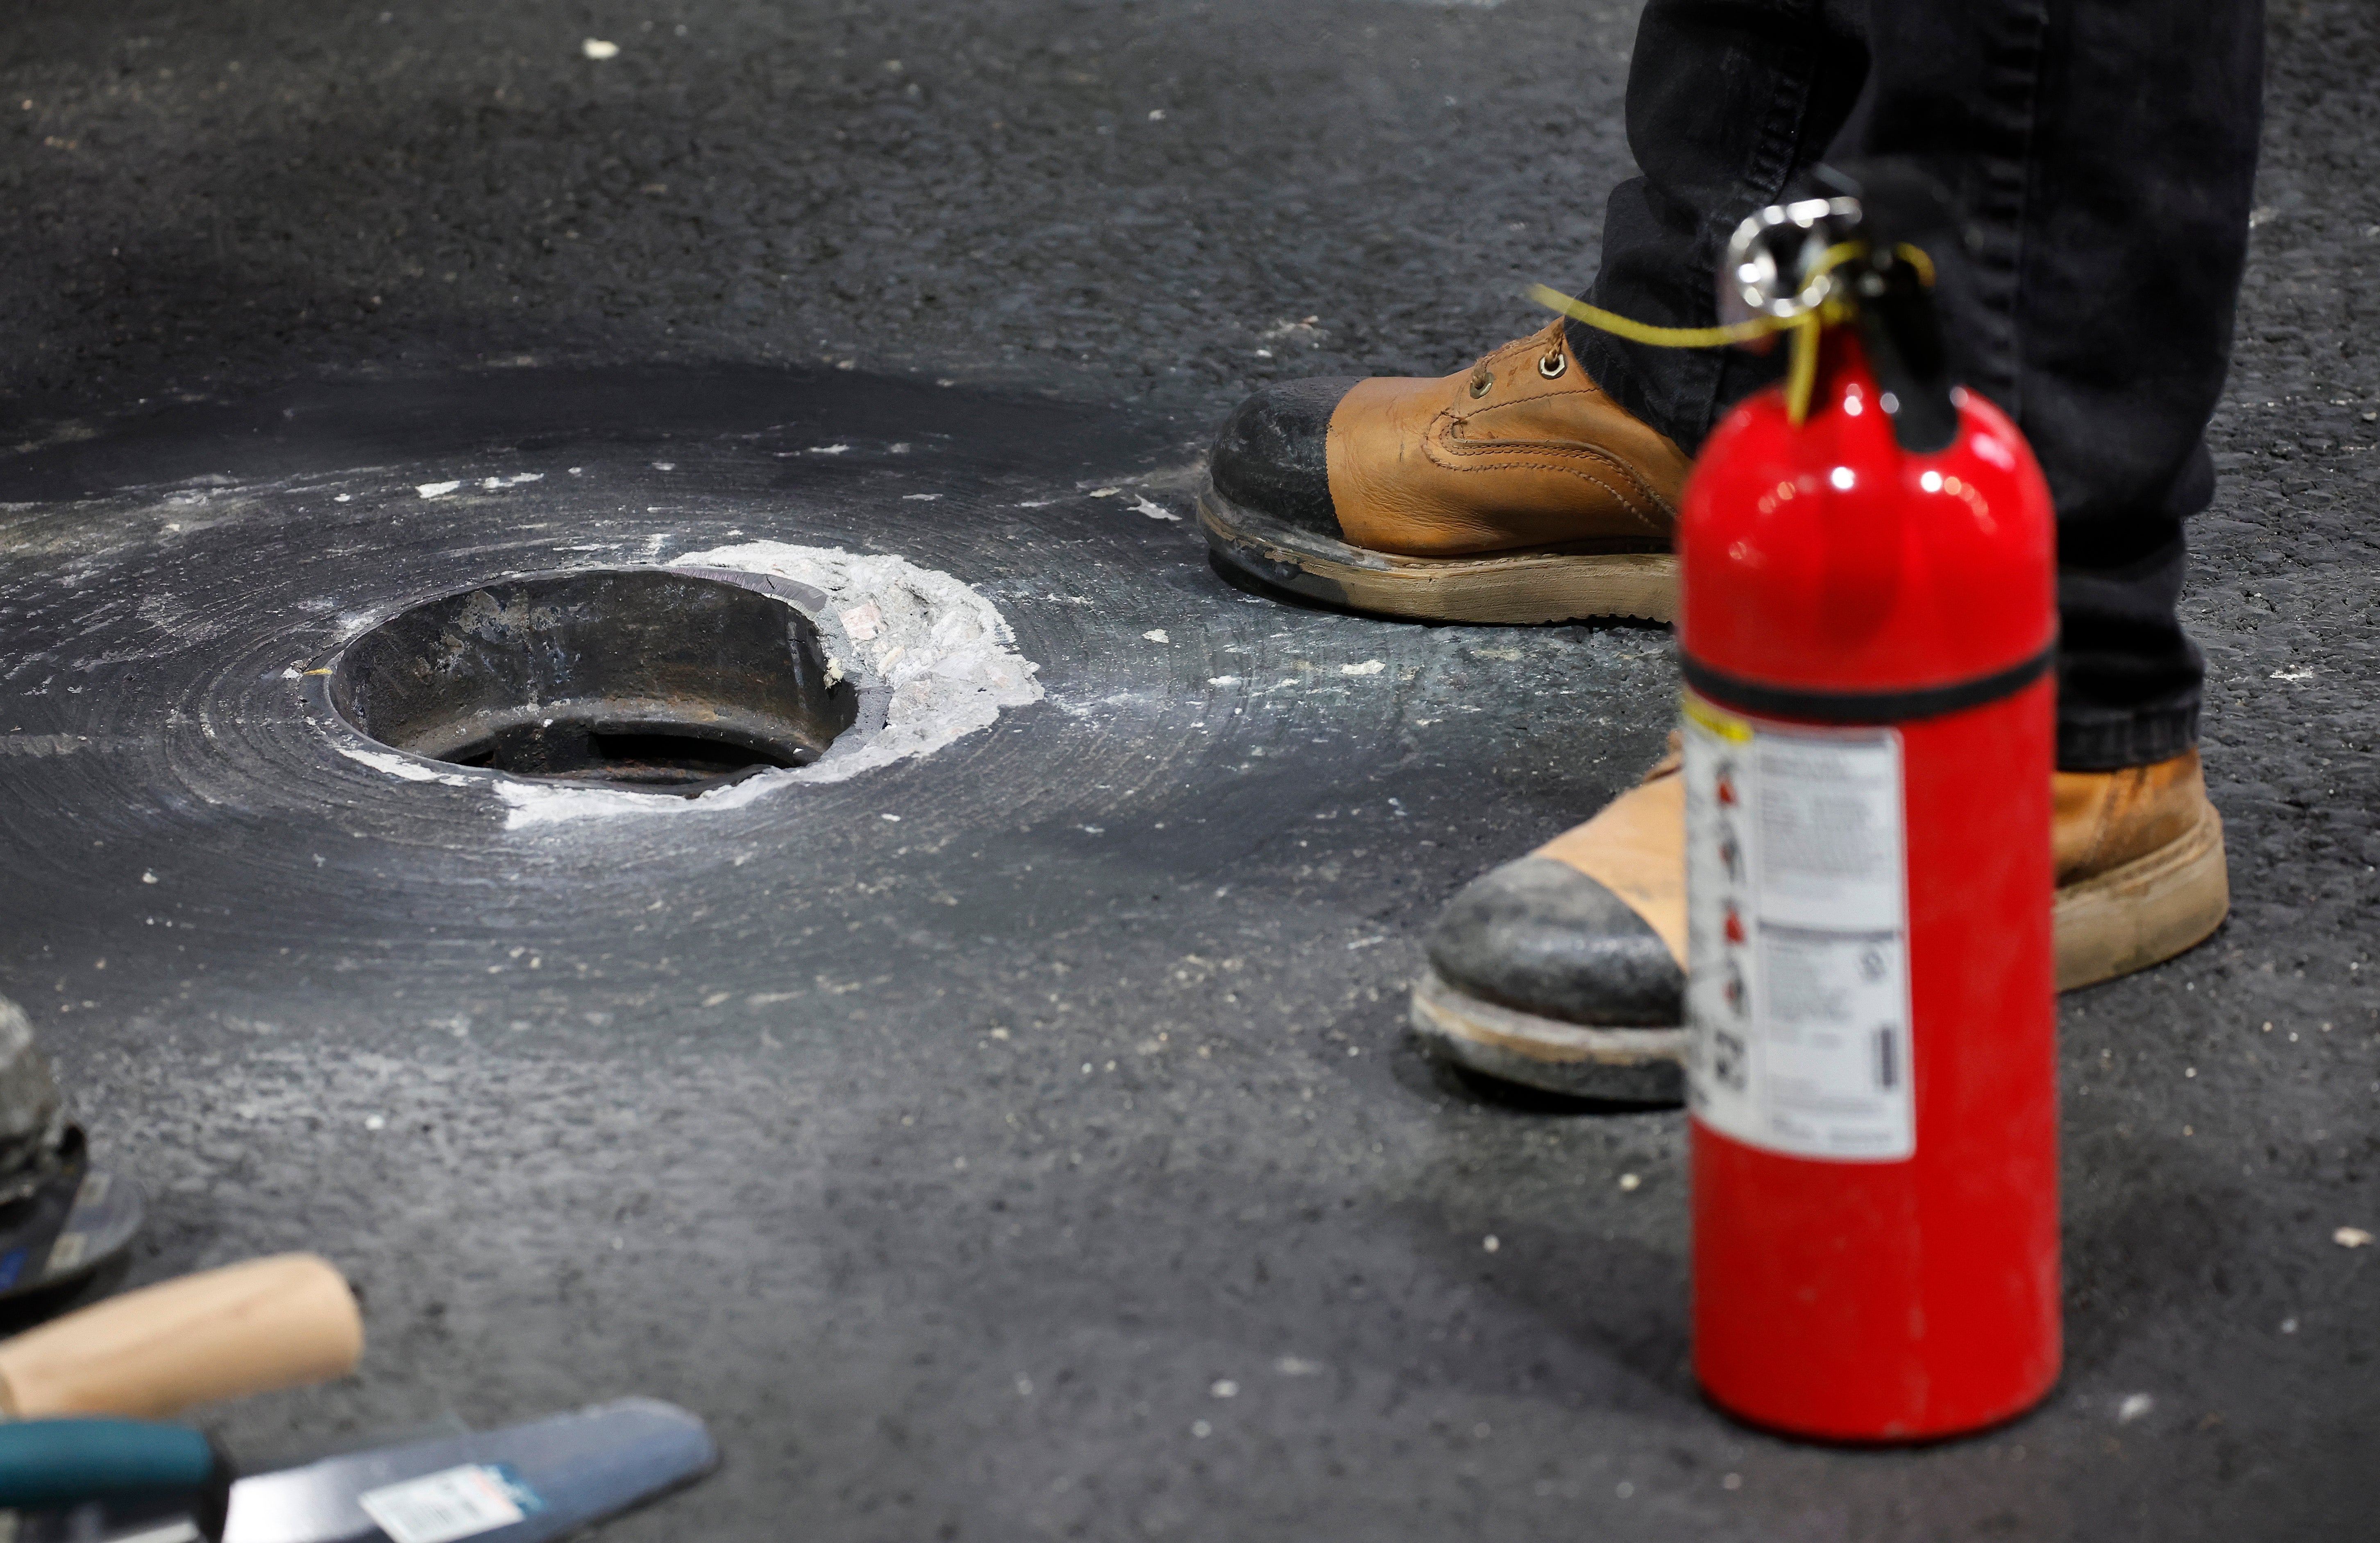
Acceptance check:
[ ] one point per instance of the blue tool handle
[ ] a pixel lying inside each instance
(47, 1462)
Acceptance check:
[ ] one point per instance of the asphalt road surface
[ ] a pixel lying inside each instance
(1021, 1140)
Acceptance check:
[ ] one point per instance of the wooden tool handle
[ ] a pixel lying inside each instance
(249, 1328)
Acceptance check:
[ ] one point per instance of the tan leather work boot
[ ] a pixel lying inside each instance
(1565, 969)
(1515, 491)
(2141, 875)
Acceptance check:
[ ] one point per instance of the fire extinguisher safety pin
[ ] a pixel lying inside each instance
(1774, 260)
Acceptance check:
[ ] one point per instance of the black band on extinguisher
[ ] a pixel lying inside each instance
(1863, 706)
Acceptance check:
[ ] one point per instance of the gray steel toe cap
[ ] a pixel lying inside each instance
(1269, 455)
(1541, 936)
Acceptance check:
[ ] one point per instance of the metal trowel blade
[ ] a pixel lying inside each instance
(517, 1484)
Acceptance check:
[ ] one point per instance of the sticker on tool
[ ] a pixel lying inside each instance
(1797, 938)
(454, 1503)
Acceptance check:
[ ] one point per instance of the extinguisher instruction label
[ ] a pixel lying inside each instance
(1797, 936)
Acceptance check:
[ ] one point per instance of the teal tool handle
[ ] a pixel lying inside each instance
(47, 1462)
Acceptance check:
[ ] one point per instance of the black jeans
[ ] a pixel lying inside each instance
(2101, 154)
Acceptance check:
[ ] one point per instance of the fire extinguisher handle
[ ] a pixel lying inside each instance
(1902, 207)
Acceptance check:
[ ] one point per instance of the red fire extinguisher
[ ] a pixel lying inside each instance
(1867, 626)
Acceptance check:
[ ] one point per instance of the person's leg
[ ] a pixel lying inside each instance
(2100, 154)
(1729, 106)
(1540, 484)
(2104, 154)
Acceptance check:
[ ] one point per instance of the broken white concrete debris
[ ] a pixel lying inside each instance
(402, 766)
(862, 621)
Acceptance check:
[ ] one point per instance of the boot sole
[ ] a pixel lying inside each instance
(2143, 913)
(2146, 911)
(1620, 1065)
(1514, 587)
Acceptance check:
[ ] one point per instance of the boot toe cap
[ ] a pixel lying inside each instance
(1270, 454)
(1540, 937)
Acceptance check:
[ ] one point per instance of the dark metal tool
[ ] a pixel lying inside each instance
(62, 1217)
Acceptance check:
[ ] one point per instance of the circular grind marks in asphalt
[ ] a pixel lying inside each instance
(169, 651)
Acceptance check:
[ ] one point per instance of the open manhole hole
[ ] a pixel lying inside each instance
(644, 680)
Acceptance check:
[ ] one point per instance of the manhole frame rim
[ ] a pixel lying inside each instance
(357, 623)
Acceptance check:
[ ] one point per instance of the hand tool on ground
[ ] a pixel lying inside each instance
(61, 1216)
(60, 1226)
(249, 1328)
(123, 1481)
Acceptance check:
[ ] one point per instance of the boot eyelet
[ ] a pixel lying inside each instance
(1552, 366)
(1480, 382)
